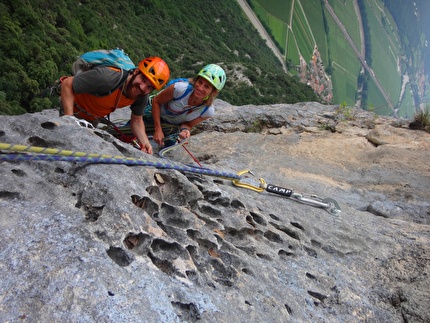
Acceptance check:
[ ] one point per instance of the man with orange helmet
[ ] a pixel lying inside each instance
(89, 95)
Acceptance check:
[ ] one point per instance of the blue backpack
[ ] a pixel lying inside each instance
(112, 57)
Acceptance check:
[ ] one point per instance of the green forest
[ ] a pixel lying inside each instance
(42, 38)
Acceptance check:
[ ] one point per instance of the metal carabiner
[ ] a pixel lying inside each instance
(328, 204)
(260, 188)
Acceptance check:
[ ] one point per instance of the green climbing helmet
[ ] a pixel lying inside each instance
(214, 74)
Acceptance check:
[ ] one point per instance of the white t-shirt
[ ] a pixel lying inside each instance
(178, 111)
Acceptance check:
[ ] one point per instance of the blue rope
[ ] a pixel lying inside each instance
(70, 156)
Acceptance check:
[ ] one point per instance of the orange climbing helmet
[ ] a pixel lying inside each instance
(155, 70)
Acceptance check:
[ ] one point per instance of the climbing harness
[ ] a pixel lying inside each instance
(328, 204)
(130, 139)
(240, 179)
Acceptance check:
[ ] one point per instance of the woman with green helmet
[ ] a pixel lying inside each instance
(187, 102)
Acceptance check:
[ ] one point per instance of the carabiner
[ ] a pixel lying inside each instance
(260, 188)
(328, 204)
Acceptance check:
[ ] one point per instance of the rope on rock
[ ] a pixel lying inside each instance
(52, 154)
(239, 179)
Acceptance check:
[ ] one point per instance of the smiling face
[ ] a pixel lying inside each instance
(138, 85)
(202, 88)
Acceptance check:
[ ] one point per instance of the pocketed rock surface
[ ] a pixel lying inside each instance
(94, 242)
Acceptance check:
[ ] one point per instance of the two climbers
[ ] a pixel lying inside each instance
(88, 95)
(95, 92)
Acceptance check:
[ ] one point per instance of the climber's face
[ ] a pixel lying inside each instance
(138, 85)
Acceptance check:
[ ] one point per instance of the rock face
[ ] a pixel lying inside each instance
(87, 242)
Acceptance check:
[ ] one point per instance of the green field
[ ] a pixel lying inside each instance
(276, 8)
(312, 8)
(298, 25)
(277, 26)
(302, 33)
(384, 54)
(407, 109)
(346, 66)
(292, 49)
(346, 13)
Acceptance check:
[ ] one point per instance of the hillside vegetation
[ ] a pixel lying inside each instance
(42, 38)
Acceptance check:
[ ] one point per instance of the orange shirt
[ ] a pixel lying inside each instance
(99, 106)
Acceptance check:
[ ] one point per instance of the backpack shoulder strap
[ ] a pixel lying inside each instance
(181, 79)
(188, 90)
(204, 110)
(122, 79)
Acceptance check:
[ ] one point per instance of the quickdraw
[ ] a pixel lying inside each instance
(328, 204)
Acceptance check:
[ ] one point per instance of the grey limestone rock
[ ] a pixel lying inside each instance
(93, 242)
